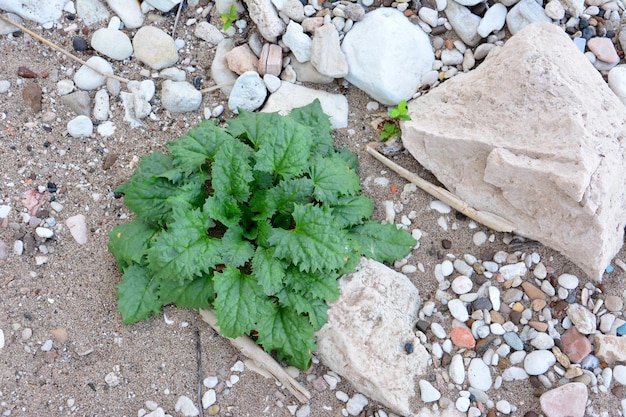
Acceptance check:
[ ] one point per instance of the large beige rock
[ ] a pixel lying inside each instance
(535, 135)
(367, 330)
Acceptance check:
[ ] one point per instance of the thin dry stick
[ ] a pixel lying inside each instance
(262, 359)
(215, 87)
(199, 363)
(180, 7)
(63, 51)
(491, 220)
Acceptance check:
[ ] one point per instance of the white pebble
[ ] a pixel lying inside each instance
(447, 268)
(458, 310)
(356, 404)
(342, 396)
(538, 362)
(440, 207)
(185, 406)
(209, 398)
(462, 285)
(568, 281)
(438, 330)
(457, 369)
(503, 406)
(44, 232)
(428, 393)
(479, 238)
(462, 404)
(210, 381)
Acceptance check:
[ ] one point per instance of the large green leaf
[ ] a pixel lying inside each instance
(332, 178)
(285, 149)
(250, 125)
(289, 192)
(185, 250)
(231, 171)
(197, 293)
(137, 295)
(351, 210)
(240, 302)
(200, 144)
(315, 244)
(381, 242)
(312, 116)
(268, 270)
(234, 249)
(314, 308)
(313, 284)
(128, 242)
(288, 333)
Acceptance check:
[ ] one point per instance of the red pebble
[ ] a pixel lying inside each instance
(575, 345)
(26, 73)
(462, 337)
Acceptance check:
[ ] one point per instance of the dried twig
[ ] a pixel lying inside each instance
(491, 220)
(180, 7)
(261, 359)
(199, 360)
(216, 87)
(63, 51)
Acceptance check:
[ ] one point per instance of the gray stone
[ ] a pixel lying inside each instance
(265, 16)
(289, 96)
(6, 28)
(306, 73)
(298, 41)
(524, 13)
(208, 32)
(552, 164)
(79, 102)
(387, 74)
(222, 75)
(249, 92)
(155, 48)
(464, 22)
(367, 330)
(326, 54)
(293, 9)
(180, 96)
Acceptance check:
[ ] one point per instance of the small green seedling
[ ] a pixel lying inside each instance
(391, 126)
(230, 17)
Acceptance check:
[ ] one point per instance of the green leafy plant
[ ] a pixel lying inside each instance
(391, 126)
(229, 18)
(255, 222)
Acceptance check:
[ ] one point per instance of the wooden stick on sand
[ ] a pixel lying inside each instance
(261, 359)
(493, 221)
(63, 51)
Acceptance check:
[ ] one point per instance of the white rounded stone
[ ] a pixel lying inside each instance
(568, 281)
(458, 310)
(112, 43)
(457, 369)
(461, 285)
(447, 268)
(80, 126)
(462, 404)
(542, 341)
(180, 96)
(428, 393)
(538, 362)
(438, 330)
(479, 375)
(88, 79)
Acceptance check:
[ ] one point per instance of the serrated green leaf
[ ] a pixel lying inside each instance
(137, 295)
(381, 242)
(224, 210)
(349, 158)
(352, 210)
(128, 242)
(250, 125)
(332, 178)
(285, 149)
(184, 251)
(315, 244)
(289, 192)
(191, 194)
(231, 171)
(200, 144)
(322, 286)
(234, 249)
(314, 308)
(197, 293)
(146, 192)
(240, 302)
(313, 117)
(290, 334)
(268, 270)
(264, 231)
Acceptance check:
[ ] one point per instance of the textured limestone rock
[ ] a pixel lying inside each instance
(367, 330)
(609, 348)
(265, 16)
(541, 144)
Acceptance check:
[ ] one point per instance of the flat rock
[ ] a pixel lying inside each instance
(112, 43)
(609, 348)
(155, 48)
(326, 54)
(36, 10)
(569, 400)
(32, 95)
(388, 75)
(306, 73)
(289, 96)
(79, 102)
(78, 228)
(367, 330)
(554, 173)
(180, 96)
(265, 16)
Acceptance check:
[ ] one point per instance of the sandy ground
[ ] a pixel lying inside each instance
(75, 289)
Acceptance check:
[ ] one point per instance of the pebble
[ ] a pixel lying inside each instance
(479, 238)
(583, 319)
(447, 268)
(154, 48)
(613, 303)
(65, 87)
(538, 362)
(180, 96)
(210, 381)
(619, 374)
(479, 375)
(462, 404)
(356, 404)
(428, 393)
(248, 93)
(113, 43)
(513, 340)
(78, 228)
(87, 79)
(4, 86)
(438, 330)
(304, 411)
(440, 207)
(32, 95)
(567, 400)
(186, 407)
(342, 396)
(462, 285)
(603, 49)
(458, 310)
(513, 270)
(462, 337)
(208, 399)
(542, 341)
(457, 369)
(503, 406)
(209, 33)
(568, 281)
(493, 20)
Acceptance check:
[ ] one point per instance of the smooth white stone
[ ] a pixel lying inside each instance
(428, 393)
(568, 281)
(538, 362)
(438, 330)
(457, 369)
(479, 375)
(493, 20)
(440, 207)
(458, 310)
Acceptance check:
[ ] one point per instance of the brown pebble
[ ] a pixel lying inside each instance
(60, 335)
(439, 30)
(446, 244)
(449, 44)
(214, 409)
(618, 391)
(491, 413)
(50, 356)
(446, 359)
(515, 316)
(534, 381)
(540, 326)
(531, 414)
(31, 94)
(409, 12)
(109, 161)
(533, 292)
(496, 317)
(26, 73)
